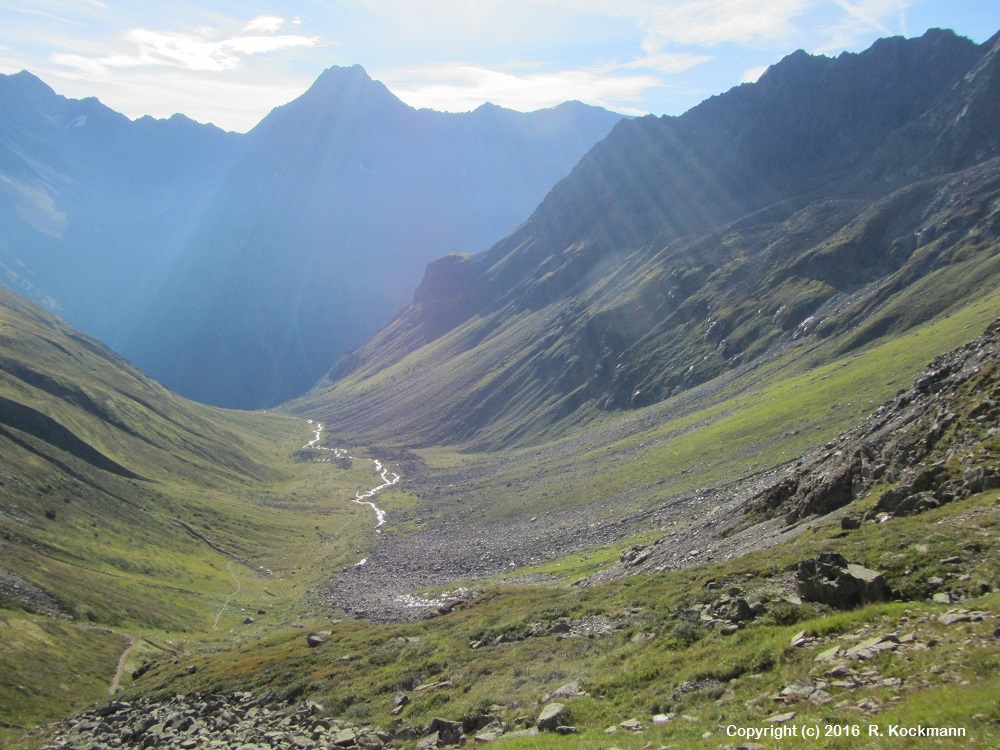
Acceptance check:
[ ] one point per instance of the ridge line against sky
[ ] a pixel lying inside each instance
(231, 62)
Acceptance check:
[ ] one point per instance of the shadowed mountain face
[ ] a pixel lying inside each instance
(848, 197)
(94, 206)
(237, 268)
(324, 226)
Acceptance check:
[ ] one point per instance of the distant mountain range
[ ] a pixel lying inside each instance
(237, 268)
(844, 198)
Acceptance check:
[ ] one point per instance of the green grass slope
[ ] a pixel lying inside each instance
(128, 511)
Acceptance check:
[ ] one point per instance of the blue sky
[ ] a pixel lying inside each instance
(230, 62)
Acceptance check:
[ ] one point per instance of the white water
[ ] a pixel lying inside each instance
(388, 478)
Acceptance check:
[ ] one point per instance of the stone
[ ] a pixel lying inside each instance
(820, 697)
(737, 610)
(569, 690)
(314, 639)
(830, 579)
(632, 725)
(799, 639)
(797, 691)
(941, 598)
(849, 523)
(111, 708)
(447, 731)
(782, 718)
(829, 654)
(551, 716)
(488, 735)
(663, 718)
(345, 738)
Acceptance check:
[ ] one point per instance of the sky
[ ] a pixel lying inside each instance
(230, 62)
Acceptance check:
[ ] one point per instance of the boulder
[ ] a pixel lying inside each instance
(830, 579)
(569, 690)
(552, 716)
(449, 732)
(345, 738)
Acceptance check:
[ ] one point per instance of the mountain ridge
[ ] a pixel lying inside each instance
(651, 268)
(323, 226)
(137, 231)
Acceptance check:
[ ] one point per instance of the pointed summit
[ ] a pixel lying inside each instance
(339, 95)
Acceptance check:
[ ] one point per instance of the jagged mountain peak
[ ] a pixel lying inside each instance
(25, 81)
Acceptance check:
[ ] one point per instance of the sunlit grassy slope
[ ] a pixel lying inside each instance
(125, 509)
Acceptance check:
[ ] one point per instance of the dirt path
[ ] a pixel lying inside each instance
(120, 670)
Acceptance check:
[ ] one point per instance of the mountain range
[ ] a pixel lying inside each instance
(709, 441)
(837, 198)
(237, 268)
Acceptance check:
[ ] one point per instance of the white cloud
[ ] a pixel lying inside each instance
(860, 20)
(198, 50)
(460, 88)
(265, 24)
(719, 22)
(752, 75)
(669, 62)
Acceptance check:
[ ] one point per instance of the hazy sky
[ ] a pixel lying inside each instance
(230, 62)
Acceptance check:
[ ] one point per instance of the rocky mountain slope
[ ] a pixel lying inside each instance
(237, 268)
(835, 199)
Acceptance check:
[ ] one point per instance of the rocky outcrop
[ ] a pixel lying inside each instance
(237, 720)
(830, 579)
(927, 443)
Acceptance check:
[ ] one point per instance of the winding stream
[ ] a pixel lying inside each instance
(388, 477)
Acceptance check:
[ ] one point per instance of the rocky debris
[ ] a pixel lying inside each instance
(906, 442)
(830, 579)
(224, 722)
(20, 592)
(563, 627)
(923, 426)
(726, 614)
(637, 554)
(953, 616)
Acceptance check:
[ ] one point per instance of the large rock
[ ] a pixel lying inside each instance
(449, 732)
(830, 579)
(552, 716)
